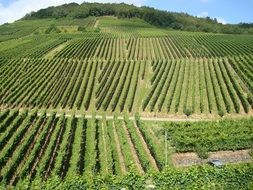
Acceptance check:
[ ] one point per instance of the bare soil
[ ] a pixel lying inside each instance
(149, 116)
(96, 24)
(55, 50)
(226, 157)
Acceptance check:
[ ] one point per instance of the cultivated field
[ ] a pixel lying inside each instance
(67, 146)
(58, 75)
(145, 74)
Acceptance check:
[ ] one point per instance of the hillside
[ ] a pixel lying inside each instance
(103, 102)
(163, 19)
(131, 66)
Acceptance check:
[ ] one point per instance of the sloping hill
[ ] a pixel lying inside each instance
(107, 64)
(164, 19)
(74, 92)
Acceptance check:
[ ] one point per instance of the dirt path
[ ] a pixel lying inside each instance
(226, 157)
(165, 118)
(133, 151)
(55, 50)
(171, 119)
(96, 23)
(145, 146)
(121, 158)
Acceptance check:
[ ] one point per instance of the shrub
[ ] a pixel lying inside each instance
(81, 29)
(221, 113)
(188, 111)
(201, 151)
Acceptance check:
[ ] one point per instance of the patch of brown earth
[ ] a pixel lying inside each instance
(226, 157)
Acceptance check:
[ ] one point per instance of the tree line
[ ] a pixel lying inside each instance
(164, 19)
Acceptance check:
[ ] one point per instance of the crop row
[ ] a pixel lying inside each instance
(69, 83)
(199, 85)
(162, 47)
(185, 86)
(66, 146)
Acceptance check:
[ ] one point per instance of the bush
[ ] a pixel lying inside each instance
(52, 28)
(188, 112)
(251, 152)
(97, 30)
(221, 113)
(202, 152)
(250, 100)
(81, 29)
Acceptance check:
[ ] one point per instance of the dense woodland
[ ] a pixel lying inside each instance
(164, 19)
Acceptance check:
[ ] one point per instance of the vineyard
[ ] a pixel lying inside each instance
(65, 146)
(184, 86)
(75, 93)
(204, 136)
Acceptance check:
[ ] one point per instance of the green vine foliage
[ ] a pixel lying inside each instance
(200, 177)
